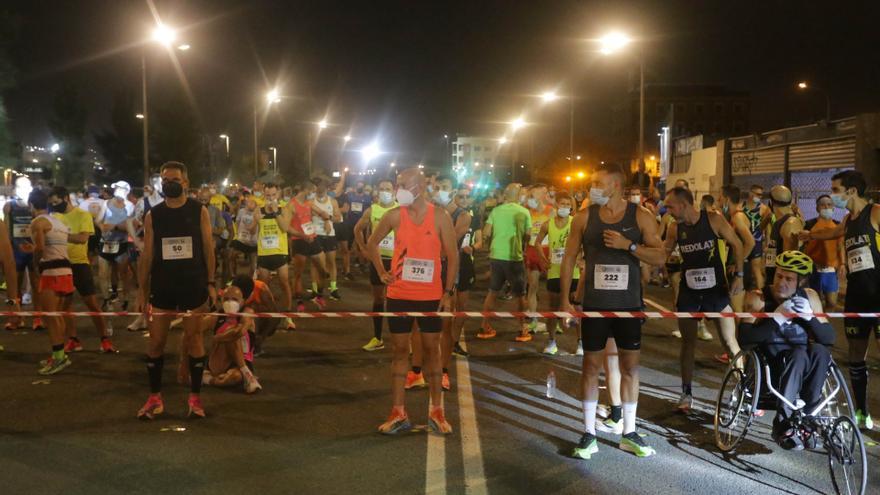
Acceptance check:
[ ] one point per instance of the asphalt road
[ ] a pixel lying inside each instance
(313, 427)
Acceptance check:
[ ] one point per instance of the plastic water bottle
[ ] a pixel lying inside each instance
(551, 384)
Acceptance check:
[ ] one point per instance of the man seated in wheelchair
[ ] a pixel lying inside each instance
(795, 348)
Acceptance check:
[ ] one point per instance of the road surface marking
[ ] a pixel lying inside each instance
(471, 452)
(435, 465)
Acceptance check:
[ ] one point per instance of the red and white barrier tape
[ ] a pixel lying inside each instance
(466, 314)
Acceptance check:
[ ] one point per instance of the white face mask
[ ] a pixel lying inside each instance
(231, 306)
(310, 196)
(405, 197)
(443, 198)
(635, 199)
(258, 194)
(533, 203)
(385, 197)
(522, 199)
(213, 191)
(597, 196)
(120, 193)
(563, 212)
(826, 213)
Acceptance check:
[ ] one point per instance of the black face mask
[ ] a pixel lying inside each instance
(59, 208)
(172, 189)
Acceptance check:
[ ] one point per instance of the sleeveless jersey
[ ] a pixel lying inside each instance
(245, 220)
(862, 258)
(558, 237)
(539, 218)
(612, 275)
(357, 205)
(224, 324)
(386, 245)
(416, 261)
(19, 224)
(468, 238)
(702, 265)
(302, 217)
(115, 216)
(319, 223)
(754, 215)
(178, 255)
(271, 239)
(55, 249)
(774, 248)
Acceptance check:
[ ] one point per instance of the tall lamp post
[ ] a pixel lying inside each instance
(551, 96)
(610, 44)
(805, 86)
(271, 97)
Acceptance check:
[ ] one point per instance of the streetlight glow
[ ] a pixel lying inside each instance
(370, 152)
(347, 138)
(224, 136)
(273, 96)
(139, 116)
(802, 85)
(164, 35)
(54, 148)
(549, 96)
(322, 124)
(502, 140)
(613, 42)
(184, 47)
(518, 123)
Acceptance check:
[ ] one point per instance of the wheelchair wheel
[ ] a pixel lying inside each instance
(842, 405)
(737, 401)
(847, 458)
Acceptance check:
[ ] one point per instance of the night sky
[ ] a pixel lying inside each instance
(410, 71)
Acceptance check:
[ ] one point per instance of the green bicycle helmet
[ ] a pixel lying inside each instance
(795, 261)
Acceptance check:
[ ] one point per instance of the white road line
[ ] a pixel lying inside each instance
(435, 465)
(472, 453)
(656, 304)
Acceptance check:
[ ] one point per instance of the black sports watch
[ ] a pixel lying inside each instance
(450, 293)
(739, 274)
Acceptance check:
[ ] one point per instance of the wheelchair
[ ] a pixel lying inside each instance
(750, 386)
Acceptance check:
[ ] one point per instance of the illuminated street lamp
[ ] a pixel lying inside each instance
(347, 138)
(370, 152)
(322, 124)
(164, 35)
(226, 138)
(272, 96)
(805, 86)
(274, 159)
(549, 96)
(611, 44)
(502, 140)
(139, 116)
(517, 124)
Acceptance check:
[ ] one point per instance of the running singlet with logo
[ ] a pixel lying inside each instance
(244, 222)
(558, 237)
(774, 247)
(754, 215)
(302, 217)
(702, 265)
(271, 239)
(357, 205)
(386, 245)
(20, 224)
(862, 259)
(55, 261)
(416, 261)
(612, 275)
(321, 226)
(538, 219)
(178, 255)
(468, 238)
(112, 239)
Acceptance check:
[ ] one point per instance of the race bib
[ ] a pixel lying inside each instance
(357, 207)
(308, 228)
(387, 242)
(270, 241)
(416, 270)
(700, 278)
(611, 277)
(770, 257)
(466, 241)
(556, 256)
(19, 231)
(859, 259)
(110, 247)
(319, 227)
(177, 248)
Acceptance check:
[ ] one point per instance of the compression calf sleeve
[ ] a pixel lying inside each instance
(590, 416)
(154, 371)
(196, 370)
(858, 375)
(377, 320)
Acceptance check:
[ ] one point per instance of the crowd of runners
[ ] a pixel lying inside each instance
(173, 247)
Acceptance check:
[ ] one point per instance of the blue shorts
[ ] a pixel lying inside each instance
(824, 282)
(23, 260)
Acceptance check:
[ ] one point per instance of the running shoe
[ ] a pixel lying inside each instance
(289, 325)
(374, 345)
(722, 358)
(107, 347)
(580, 349)
(154, 407)
(487, 332)
(11, 327)
(551, 348)
(252, 385)
(437, 421)
(444, 382)
(26, 298)
(702, 332)
(52, 366)
(541, 327)
(73, 345)
(608, 425)
(676, 333)
(334, 295)
(586, 447)
(300, 306)
(195, 407)
(863, 420)
(458, 351)
(524, 337)
(632, 442)
(414, 380)
(685, 402)
(532, 325)
(348, 276)
(38, 325)
(320, 302)
(398, 422)
(139, 324)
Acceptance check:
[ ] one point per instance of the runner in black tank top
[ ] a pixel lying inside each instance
(781, 238)
(704, 286)
(615, 236)
(177, 268)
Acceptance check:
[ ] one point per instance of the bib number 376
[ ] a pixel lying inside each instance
(416, 270)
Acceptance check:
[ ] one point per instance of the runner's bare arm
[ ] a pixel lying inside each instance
(390, 221)
(360, 228)
(671, 238)
(825, 234)
(540, 239)
(448, 237)
(462, 223)
(789, 233)
(741, 227)
(337, 215)
(651, 250)
(572, 248)
(723, 229)
(208, 243)
(7, 258)
(38, 235)
(146, 260)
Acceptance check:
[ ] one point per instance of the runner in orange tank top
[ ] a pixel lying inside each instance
(421, 234)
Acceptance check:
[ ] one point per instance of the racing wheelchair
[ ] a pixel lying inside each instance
(750, 386)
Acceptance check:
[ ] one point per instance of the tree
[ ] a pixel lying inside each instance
(121, 145)
(68, 127)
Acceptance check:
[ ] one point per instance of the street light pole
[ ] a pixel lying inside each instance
(642, 115)
(571, 131)
(309, 148)
(146, 116)
(274, 159)
(256, 145)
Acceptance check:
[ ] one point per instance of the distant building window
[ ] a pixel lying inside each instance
(698, 108)
(719, 108)
(737, 108)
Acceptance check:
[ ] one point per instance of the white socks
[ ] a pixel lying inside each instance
(629, 417)
(590, 416)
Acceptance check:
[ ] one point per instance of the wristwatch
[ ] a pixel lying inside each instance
(632, 247)
(739, 274)
(450, 293)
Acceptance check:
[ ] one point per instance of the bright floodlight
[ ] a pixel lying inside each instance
(139, 116)
(164, 35)
(224, 136)
(184, 47)
(322, 124)
(273, 96)
(802, 85)
(549, 96)
(347, 138)
(502, 140)
(370, 152)
(54, 148)
(518, 123)
(613, 42)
